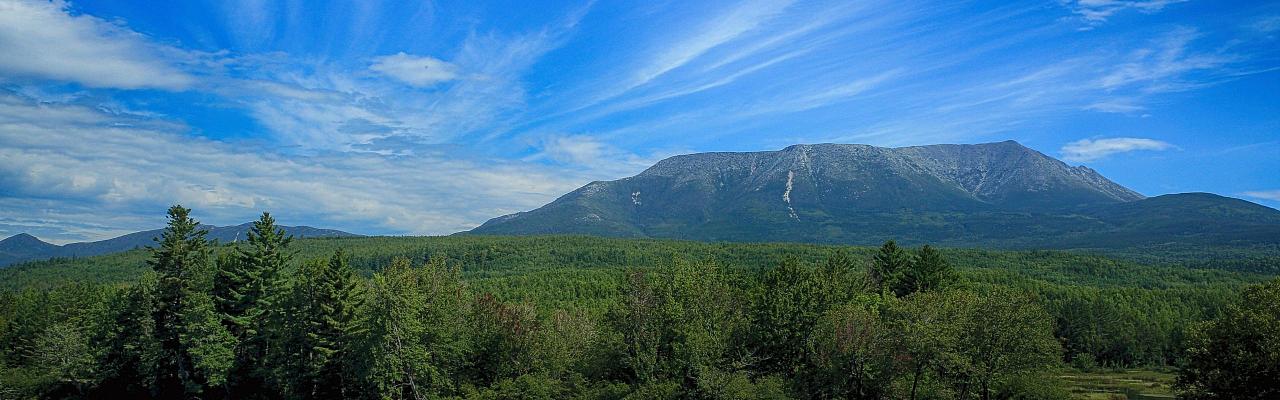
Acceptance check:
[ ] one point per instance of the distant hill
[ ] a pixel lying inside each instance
(24, 247)
(994, 195)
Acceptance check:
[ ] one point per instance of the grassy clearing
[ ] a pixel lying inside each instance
(1125, 384)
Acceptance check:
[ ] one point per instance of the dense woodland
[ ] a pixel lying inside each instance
(578, 317)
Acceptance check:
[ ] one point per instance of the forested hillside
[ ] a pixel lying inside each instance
(584, 317)
(23, 247)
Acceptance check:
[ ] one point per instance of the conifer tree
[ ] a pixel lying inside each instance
(130, 351)
(196, 351)
(246, 288)
(315, 335)
(331, 295)
(928, 271)
(889, 267)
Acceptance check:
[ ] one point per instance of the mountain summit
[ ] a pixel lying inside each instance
(995, 194)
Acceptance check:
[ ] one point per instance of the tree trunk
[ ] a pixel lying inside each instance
(915, 380)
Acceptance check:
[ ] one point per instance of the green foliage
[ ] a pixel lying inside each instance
(929, 271)
(852, 354)
(580, 317)
(1237, 354)
(128, 338)
(1003, 334)
(401, 366)
(245, 278)
(680, 323)
(889, 269)
(788, 302)
(196, 350)
(316, 331)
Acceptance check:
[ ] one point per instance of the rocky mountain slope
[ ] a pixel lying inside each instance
(24, 247)
(995, 194)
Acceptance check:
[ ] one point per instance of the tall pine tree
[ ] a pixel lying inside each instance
(324, 302)
(929, 271)
(246, 287)
(889, 268)
(196, 351)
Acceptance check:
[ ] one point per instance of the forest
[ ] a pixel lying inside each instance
(538, 317)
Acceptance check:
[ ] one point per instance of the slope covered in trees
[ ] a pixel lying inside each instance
(558, 317)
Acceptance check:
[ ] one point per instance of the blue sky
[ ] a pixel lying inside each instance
(431, 117)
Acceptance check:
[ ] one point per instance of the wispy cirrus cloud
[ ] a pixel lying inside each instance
(415, 70)
(1095, 12)
(1273, 195)
(723, 29)
(1085, 150)
(39, 39)
(602, 159)
(353, 146)
(359, 103)
(125, 169)
(666, 56)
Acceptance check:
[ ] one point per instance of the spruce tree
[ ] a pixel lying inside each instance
(318, 333)
(928, 271)
(889, 268)
(130, 353)
(246, 287)
(196, 351)
(332, 296)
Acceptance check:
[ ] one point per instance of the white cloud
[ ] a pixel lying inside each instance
(415, 70)
(1273, 195)
(1266, 24)
(1166, 65)
(1085, 150)
(41, 39)
(1117, 106)
(92, 166)
(1098, 11)
(718, 32)
(605, 161)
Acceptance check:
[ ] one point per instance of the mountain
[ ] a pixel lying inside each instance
(24, 247)
(994, 194)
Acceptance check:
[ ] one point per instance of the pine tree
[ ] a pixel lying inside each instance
(889, 268)
(333, 294)
(130, 350)
(196, 351)
(315, 336)
(928, 271)
(247, 286)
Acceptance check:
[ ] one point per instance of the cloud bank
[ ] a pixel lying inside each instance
(40, 39)
(86, 164)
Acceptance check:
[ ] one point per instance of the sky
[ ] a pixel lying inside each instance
(425, 118)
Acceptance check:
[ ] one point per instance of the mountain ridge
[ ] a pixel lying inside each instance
(24, 247)
(998, 194)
